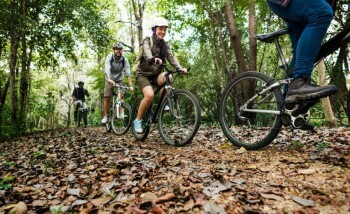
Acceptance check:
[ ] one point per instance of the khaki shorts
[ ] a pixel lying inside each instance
(142, 81)
(108, 90)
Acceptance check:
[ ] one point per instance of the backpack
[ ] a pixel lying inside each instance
(123, 60)
(136, 63)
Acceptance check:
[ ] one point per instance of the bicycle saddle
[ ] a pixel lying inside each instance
(270, 37)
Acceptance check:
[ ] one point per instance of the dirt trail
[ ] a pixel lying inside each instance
(90, 171)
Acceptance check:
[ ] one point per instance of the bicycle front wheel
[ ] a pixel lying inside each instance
(85, 118)
(121, 124)
(179, 118)
(79, 118)
(248, 115)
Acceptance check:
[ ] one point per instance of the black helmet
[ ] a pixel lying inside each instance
(80, 83)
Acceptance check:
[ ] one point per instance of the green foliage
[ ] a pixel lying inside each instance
(39, 155)
(296, 145)
(69, 40)
(322, 145)
(56, 209)
(5, 182)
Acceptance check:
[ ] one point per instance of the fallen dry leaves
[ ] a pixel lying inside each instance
(90, 171)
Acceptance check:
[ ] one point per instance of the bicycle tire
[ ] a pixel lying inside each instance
(179, 129)
(85, 118)
(248, 129)
(108, 125)
(79, 116)
(121, 126)
(146, 124)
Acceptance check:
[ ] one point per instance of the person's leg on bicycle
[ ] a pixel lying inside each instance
(107, 93)
(144, 83)
(309, 21)
(161, 81)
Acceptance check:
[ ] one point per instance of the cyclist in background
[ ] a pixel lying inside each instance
(114, 65)
(78, 96)
(150, 70)
(308, 21)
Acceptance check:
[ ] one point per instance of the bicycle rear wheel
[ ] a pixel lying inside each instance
(179, 128)
(146, 123)
(255, 123)
(122, 124)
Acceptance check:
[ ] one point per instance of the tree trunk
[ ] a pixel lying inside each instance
(222, 43)
(326, 104)
(24, 82)
(132, 33)
(214, 49)
(252, 40)
(348, 106)
(12, 77)
(3, 97)
(138, 12)
(234, 35)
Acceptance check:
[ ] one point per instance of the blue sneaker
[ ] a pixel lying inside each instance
(138, 126)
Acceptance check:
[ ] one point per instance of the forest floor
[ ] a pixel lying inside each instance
(91, 171)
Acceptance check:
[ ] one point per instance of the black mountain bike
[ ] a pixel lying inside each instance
(119, 114)
(82, 115)
(177, 112)
(252, 108)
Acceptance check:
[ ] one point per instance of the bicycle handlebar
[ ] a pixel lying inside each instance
(122, 87)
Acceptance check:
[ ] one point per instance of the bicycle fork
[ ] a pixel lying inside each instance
(171, 96)
(119, 109)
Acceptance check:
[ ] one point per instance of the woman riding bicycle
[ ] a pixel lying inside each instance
(150, 69)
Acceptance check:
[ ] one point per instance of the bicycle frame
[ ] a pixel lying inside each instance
(117, 98)
(326, 49)
(168, 92)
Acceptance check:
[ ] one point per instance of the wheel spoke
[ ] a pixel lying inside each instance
(246, 119)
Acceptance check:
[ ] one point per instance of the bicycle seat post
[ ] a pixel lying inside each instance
(280, 54)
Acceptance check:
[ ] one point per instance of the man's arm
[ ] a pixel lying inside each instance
(87, 94)
(128, 73)
(74, 94)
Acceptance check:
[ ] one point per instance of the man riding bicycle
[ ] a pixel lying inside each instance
(307, 22)
(78, 96)
(114, 65)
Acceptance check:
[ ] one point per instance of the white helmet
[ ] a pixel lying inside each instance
(159, 21)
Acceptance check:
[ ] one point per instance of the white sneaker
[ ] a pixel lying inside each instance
(166, 108)
(104, 120)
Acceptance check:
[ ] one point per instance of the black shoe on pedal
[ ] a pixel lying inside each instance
(300, 89)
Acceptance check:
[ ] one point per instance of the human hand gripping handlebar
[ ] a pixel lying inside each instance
(124, 88)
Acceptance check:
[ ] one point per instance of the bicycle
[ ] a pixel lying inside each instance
(177, 113)
(82, 114)
(252, 108)
(119, 114)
